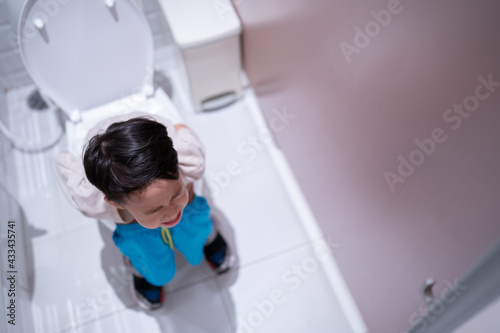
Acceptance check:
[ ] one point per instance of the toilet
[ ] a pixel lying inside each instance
(93, 59)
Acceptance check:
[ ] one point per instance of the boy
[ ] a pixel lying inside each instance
(138, 171)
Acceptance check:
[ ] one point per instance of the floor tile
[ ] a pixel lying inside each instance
(199, 308)
(78, 277)
(125, 321)
(262, 215)
(235, 145)
(287, 293)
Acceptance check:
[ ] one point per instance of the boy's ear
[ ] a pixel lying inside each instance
(113, 203)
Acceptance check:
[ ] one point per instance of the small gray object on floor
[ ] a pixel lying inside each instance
(36, 101)
(162, 81)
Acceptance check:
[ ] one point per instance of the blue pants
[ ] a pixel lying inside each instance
(149, 252)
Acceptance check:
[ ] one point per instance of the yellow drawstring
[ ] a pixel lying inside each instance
(167, 238)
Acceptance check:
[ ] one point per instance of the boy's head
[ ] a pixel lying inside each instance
(135, 165)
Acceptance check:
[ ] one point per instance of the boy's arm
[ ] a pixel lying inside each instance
(190, 152)
(80, 192)
(179, 126)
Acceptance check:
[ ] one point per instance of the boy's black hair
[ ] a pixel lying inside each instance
(128, 156)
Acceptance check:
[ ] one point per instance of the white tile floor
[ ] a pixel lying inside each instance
(283, 282)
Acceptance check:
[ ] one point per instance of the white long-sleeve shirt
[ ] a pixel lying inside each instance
(90, 201)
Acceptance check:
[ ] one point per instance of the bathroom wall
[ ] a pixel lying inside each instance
(397, 171)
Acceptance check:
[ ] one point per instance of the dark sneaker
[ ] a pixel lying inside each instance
(219, 255)
(146, 295)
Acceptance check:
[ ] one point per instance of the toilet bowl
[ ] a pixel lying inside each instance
(93, 59)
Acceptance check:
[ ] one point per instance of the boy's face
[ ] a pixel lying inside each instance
(159, 205)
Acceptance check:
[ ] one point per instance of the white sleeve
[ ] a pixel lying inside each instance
(80, 192)
(190, 153)
(190, 150)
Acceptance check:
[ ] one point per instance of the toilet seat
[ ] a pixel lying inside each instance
(88, 55)
(158, 104)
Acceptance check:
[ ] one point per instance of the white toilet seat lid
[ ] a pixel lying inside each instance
(87, 54)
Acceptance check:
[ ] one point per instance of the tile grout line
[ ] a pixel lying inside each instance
(60, 234)
(225, 306)
(249, 264)
(276, 254)
(107, 315)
